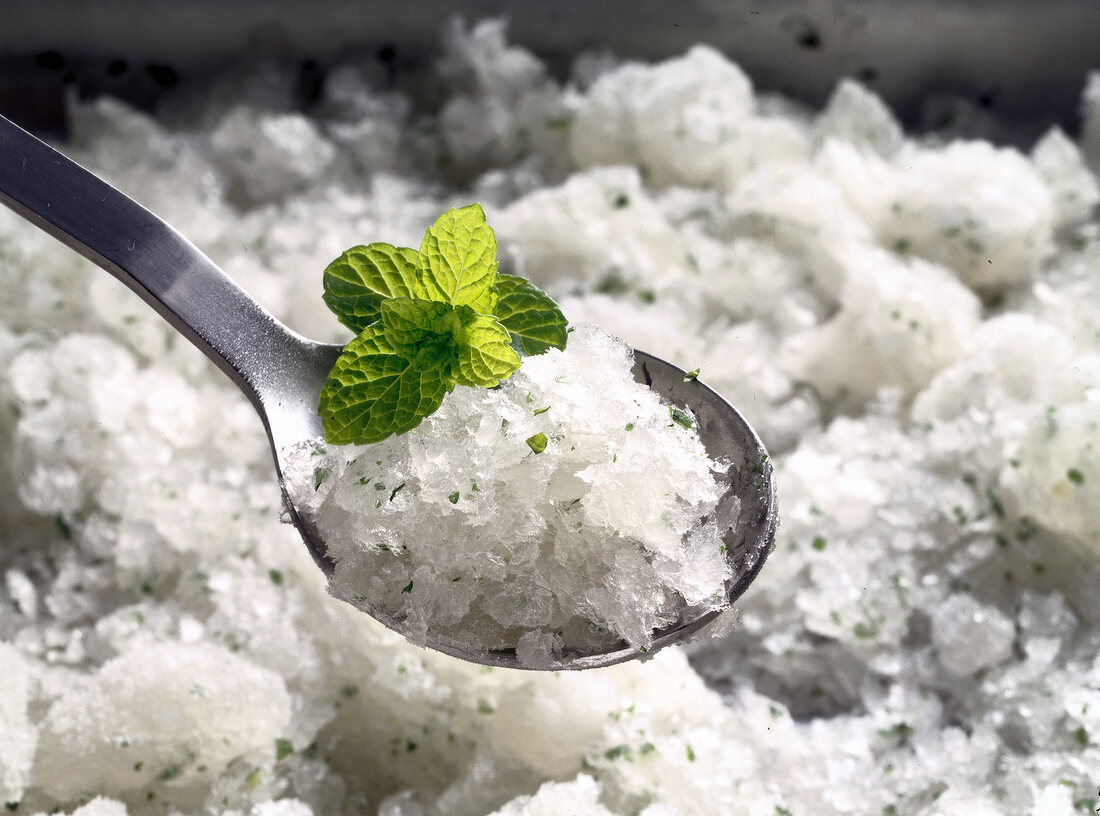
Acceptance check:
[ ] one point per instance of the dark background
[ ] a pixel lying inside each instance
(1021, 59)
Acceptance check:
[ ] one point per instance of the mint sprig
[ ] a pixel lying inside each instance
(427, 321)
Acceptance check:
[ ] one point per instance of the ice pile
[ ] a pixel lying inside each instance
(465, 534)
(910, 324)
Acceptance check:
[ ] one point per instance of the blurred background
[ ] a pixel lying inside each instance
(1020, 59)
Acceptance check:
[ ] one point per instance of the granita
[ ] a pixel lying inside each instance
(569, 508)
(907, 319)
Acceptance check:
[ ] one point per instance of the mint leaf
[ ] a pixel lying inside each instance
(427, 321)
(457, 262)
(530, 315)
(485, 354)
(373, 392)
(537, 443)
(358, 281)
(409, 322)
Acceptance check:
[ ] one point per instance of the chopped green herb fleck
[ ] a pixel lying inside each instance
(1081, 736)
(900, 731)
(253, 778)
(454, 497)
(619, 752)
(139, 765)
(621, 200)
(483, 706)
(394, 491)
(630, 426)
(691, 375)
(283, 749)
(818, 543)
(275, 576)
(537, 443)
(171, 772)
(319, 476)
(681, 417)
(647, 748)
(865, 631)
(1075, 476)
(407, 588)
(690, 753)
(541, 410)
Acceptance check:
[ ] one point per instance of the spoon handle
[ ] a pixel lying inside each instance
(261, 355)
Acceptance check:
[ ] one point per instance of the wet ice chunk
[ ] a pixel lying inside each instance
(969, 636)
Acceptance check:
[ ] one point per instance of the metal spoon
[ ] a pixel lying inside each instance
(282, 372)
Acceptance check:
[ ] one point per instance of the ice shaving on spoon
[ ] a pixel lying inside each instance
(558, 510)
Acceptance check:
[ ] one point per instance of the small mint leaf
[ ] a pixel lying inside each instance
(485, 356)
(373, 393)
(530, 315)
(537, 443)
(457, 262)
(358, 281)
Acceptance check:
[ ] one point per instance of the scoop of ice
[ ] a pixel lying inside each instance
(466, 534)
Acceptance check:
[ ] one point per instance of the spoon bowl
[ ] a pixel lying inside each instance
(282, 373)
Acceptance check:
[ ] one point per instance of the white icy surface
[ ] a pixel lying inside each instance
(922, 641)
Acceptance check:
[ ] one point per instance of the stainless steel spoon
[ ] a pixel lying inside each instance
(282, 372)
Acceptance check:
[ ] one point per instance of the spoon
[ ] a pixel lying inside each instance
(282, 372)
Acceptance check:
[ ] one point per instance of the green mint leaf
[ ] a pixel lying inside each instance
(691, 375)
(457, 262)
(358, 281)
(454, 497)
(537, 443)
(408, 323)
(373, 392)
(530, 315)
(485, 354)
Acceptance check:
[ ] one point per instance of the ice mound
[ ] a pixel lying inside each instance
(171, 713)
(690, 120)
(466, 534)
